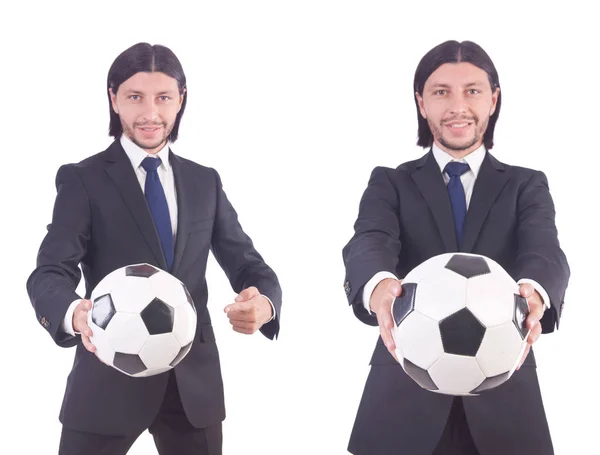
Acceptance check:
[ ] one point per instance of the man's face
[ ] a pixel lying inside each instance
(457, 102)
(147, 104)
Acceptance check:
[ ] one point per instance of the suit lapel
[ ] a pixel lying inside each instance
(183, 181)
(430, 182)
(123, 176)
(490, 181)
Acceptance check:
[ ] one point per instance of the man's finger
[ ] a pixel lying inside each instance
(87, 343)
(534, 334)
(242, 324)
(535, 314)
(395, 288)
(243, 330)
(526, 290)
(239, 307)
(82, 325)
(247, 294)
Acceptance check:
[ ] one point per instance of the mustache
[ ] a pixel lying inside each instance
(454, 119)
(145, 124)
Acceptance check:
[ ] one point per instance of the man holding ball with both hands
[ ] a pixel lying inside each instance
(457, 197)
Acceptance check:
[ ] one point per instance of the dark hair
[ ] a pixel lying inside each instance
(455, 52)
(147, 58)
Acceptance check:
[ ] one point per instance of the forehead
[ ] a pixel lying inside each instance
(149, 82)
(458, 74)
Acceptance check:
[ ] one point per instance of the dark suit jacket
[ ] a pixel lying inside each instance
(101, 221)
(405, 218)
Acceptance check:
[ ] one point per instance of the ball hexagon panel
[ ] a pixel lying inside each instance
(159, 350)
(405, 303)
(132, 294)
(456, 374)
(127, 333)
(419, 375)
(108, 283)
(151, 372)
(141, 270)
(129, 363)
(104, 350)
(419, 339)
(502, 275)
(521, 311)
(184, 324)
(181, 354)
(441, 294)
(158, 317)
(467, 265)
(102, 311)
(500, 349)
(168, 289)
(461, 333)
(490, 300)
(428, 267)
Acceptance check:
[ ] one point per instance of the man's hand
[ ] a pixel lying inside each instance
(381, 304)
(536, 311)
(249, 312)
(80, 325)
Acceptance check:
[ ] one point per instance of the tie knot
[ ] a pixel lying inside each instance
(456, 169)
(151, 164)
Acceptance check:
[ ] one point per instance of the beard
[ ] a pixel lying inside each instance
(147, 144)
(459, 145)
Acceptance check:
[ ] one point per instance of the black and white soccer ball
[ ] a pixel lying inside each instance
(143, 320)
(459, 324)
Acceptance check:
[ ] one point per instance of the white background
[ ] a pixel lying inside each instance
(294, 102)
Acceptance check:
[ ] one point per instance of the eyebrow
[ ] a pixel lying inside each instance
(470, 84)
(137, 92)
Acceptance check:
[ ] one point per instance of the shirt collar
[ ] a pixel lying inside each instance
(136, 154)
(473, 159)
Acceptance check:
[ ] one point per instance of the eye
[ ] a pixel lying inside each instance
(474, 91)
(134, 97)
(164, 98)
(440, 92)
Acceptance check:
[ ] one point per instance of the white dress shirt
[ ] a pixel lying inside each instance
(474, 160)
(165, 174)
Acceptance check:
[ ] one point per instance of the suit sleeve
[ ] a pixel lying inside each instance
(539, 256)
(52, 285)
(234, 251)
(375, 246)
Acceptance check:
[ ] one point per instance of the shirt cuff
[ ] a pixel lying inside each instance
(67, 323)
(272, 306)
(539, 288)
(371, 285)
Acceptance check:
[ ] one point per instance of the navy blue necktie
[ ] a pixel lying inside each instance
(458, 200)
(157, 203)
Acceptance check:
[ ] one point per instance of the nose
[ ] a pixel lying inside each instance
(150, 113)
(458, 104)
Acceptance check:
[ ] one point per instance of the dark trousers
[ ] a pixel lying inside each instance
(172, 432)
(456, 438)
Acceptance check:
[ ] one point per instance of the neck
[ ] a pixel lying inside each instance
(459, 154)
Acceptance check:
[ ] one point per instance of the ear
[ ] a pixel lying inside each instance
(421, 107)
(495, 96)
(181, 97)
(113, 100)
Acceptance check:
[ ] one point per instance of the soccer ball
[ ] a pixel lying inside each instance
(143, 320)
(459, 324)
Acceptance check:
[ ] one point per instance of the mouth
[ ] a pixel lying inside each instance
(149, 128)
(458, 125)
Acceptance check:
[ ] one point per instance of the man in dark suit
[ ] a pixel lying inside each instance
(138, 202)
(457, 197)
